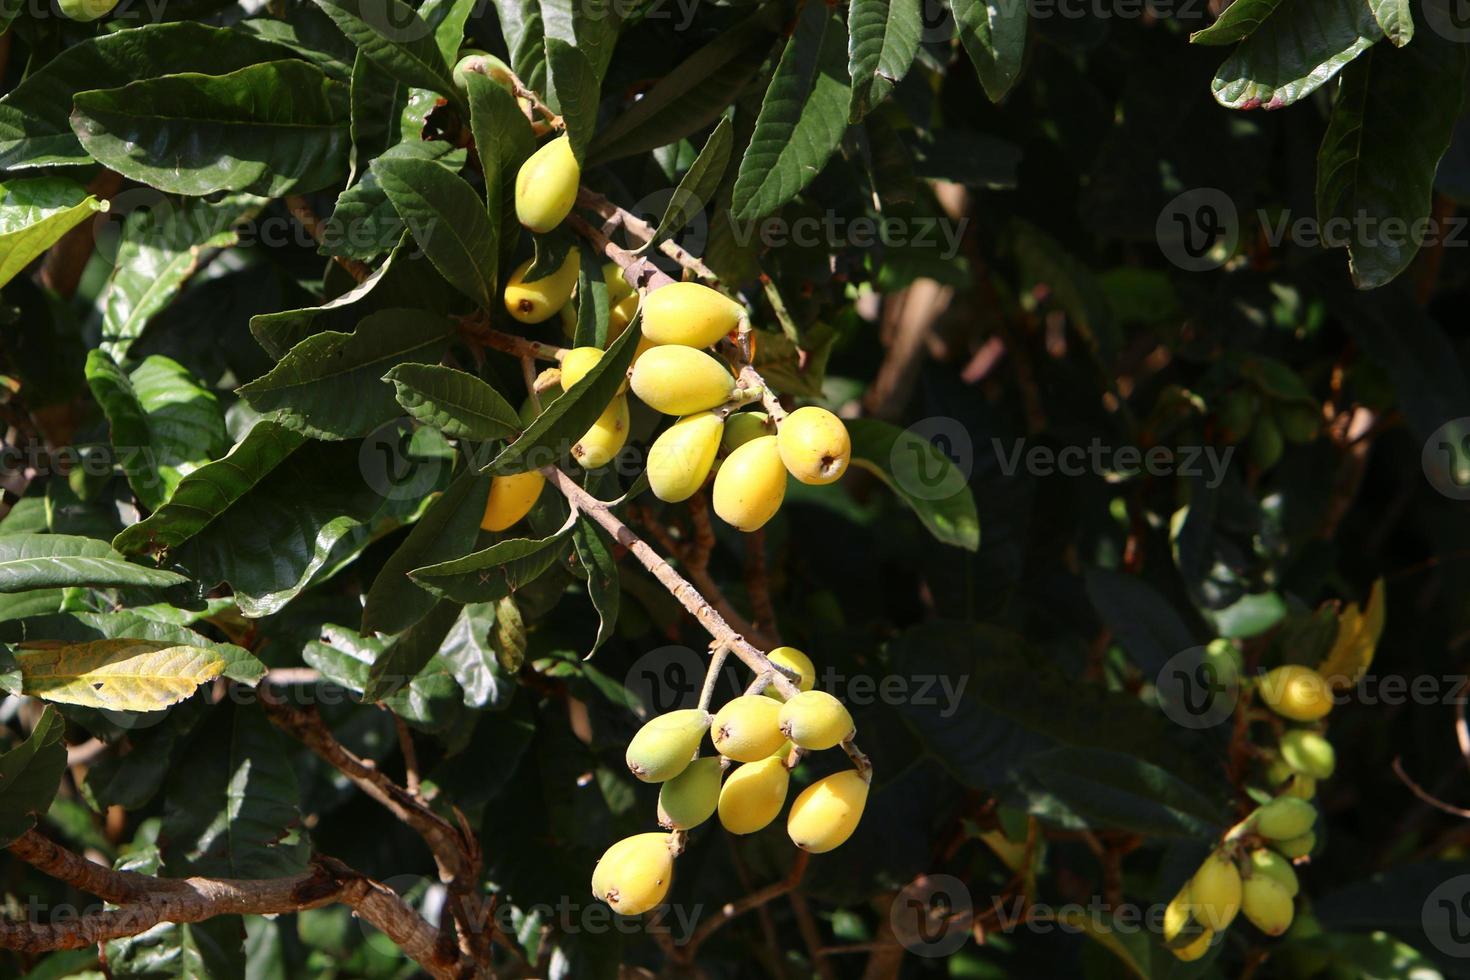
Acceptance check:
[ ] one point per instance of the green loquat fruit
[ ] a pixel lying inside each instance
(746, 728)
(483, 63)
(678, 380)
(546, 186)
(664, 746)
(751, 484)
(1215, 891)
(824, 815)
(618, 288)
(680, 458)
(816, 720)
(689, 799)
(1195, 949)
(690, 314)
(86, 10)
(1268, 863)
(1296, 847)
(1283, 818)
(1296, 692)
(605, 439)
(538, 301)
(1308, 753)
(1266, 904)
(814, 445)
(753, 794)
(511, 498)
(742, 427)
(634, 874)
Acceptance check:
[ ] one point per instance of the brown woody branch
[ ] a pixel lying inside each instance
(754, 900)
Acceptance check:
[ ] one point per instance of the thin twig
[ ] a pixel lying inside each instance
(752, 901)
(476, 327)
(639, 228)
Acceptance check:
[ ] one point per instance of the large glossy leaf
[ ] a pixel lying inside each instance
(522, 26)
(550, 437)
(1087, 787)
(446, 531)
(432, 700)
(209, 490)
(993, 33)
(233, 811)
(590, 26)
(35, 127)
(118, 675)
(922, 476)
(1391, 124)
(456, 403)
(1294, 51)
(164, 423)
(375, 117)
(34, 214)
(29, 775)
(409, 652)
(1396, 19)
(44, 561)
(692, 95)
(272, 129)
(160, 248)
(573, 91)
(1236, 22)
(364, 224)
(469, 654)
(503, 141)
(330, 385)
(802, 117)
(698, 186)
(448, 18)
(448, 220)
(1142, 620)
(494, 572)
(883, 40)
(396, 39)
(134, 625)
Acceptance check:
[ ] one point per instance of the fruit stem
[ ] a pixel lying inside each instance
(761, 682)
(475, 326)
(712, 674)
(862, 762)
(638, 228)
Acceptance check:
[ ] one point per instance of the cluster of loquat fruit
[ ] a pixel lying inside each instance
(674, 372)
(765, 736)
(1252, 873)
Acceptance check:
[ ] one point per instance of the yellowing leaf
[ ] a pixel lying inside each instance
(1357, 639)
(119, 675)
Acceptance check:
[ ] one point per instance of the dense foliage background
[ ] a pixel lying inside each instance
(1018, 246)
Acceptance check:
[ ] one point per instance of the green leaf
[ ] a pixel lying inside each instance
(592, 301)
(503, 142)
(375, 116)
(118, 674)
(269, 129)
(883, 40)
(550, 438)
(208, 491)
(590, 26)
(448, 18)
(522, 26)
(233, 810)
(161, 247)
(1086, 787)
(1296, 50)
(396, 39)
(1396, 20)
(691, 96)
(35, 125)
(164, 423)
(698, 186)
(448, 220)
(573, 92)
(993, 33)
(432, 700)
(802, 117)
(922, 476)
(495, 572)
(408, 653)
(1142, 620)
(34, 214)
(446, 531)
(330, 385)
(1395, 112)
(456, 403)
(470, 656)
(46, 561)
(1236, 22)
(594, 555)
(29, 775)
(364, 224)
